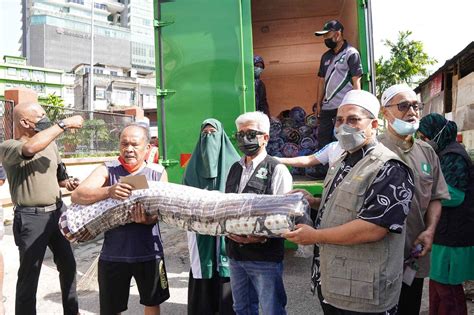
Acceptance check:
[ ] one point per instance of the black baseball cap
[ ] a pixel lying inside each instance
(333, 25)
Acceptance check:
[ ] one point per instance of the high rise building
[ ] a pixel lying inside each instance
(57, 33)
(138, 17)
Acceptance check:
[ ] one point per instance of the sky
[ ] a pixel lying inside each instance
(444, 27)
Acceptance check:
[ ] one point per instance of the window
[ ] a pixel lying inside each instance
(113, 73)
(11, 72)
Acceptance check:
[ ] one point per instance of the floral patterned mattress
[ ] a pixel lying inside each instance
(191, 209)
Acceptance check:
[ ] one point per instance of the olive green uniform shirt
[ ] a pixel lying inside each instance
(429, 185)
(32, 181)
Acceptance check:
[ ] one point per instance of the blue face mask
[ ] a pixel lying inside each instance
(404, 128)
(257, 72)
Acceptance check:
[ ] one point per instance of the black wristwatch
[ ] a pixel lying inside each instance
(62, 125)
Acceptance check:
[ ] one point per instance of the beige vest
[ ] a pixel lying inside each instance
(365, 277)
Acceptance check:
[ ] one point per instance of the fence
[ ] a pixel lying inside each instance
(99, 135)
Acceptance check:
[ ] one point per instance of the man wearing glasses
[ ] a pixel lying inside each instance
(359, 230)
(402, 110)
(339, 72)
(256, 263)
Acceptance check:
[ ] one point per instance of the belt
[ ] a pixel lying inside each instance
(42, 209)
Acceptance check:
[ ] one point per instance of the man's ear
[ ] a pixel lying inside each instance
(375, 123)
(24, 123)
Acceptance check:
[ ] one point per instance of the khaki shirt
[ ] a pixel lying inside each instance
(32, 181)
(429, 185)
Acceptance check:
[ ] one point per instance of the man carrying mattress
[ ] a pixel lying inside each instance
(256, 263)
(358, 263)
(135, 249)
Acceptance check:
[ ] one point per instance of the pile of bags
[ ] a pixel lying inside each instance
(293, 133)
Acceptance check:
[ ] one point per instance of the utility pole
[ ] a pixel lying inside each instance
(91, 68)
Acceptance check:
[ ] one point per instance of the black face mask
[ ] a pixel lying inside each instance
(330, 43)
(42, 124)
(248, 147)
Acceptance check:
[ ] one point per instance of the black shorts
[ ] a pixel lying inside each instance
(114, 284)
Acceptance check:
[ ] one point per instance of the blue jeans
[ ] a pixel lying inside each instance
(257, 281)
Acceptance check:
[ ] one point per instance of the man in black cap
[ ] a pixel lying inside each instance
(339, 72)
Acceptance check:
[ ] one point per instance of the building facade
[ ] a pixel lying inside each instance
(14, 72)
(450, 91)
(57, 33)
(114, 88)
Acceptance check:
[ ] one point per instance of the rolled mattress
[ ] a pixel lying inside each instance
(191, 209)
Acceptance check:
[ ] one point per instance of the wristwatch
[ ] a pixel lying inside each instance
(62, 125)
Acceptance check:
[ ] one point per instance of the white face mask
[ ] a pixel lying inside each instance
(404, 128)
(350, 138)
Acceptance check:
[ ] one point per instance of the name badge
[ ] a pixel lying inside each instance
(262, 173)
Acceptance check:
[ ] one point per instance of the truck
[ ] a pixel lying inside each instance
(204, 62)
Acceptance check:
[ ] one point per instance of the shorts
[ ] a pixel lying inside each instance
(114, 284)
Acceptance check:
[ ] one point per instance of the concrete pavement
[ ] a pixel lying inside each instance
(296, 277)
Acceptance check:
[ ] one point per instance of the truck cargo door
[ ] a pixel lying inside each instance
(204, 69)
(366, 44)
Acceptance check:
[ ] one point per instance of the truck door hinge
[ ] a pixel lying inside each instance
(158, 23)
(164, 92)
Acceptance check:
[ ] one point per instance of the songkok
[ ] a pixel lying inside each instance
(394, 90)
(362, 99)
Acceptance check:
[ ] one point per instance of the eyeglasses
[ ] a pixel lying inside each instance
(350, 120)
(405, 106)
(249, 134)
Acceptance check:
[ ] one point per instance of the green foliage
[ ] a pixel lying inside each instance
(93, 132)
(54, 107)
(407, 63)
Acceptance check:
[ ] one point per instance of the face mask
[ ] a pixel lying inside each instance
(257, 72)
(330, 43)
(350, 138)
(434, 142)
(248, 147)
(404, 128)
(131, 168)
(42, 124)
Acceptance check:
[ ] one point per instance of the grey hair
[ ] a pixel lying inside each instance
(257, 118)
(146, 131)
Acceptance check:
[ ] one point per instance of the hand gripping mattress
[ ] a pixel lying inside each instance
(191, 209)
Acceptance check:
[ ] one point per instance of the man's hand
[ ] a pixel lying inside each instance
(247, 239)
(74, 122)
(2, 181)
(426, 239)
(71, 183)
(139, 215)
(317, 109)
(120, 191)
(304, 235)
(313, 201)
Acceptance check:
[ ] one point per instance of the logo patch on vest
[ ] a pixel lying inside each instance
(426, 168)
(262, 173)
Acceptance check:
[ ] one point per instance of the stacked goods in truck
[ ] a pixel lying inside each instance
(293, 133)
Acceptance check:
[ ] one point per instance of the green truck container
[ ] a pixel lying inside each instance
(204, 62)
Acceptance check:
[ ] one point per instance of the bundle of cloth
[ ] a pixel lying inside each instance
(191, 209)
(293, 133)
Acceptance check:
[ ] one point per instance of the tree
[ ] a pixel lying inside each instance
(54, 107)
(407, 63)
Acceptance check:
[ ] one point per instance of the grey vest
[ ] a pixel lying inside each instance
(364, 277)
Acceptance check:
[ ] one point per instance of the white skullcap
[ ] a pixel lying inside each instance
(362, 99)
(394, 90)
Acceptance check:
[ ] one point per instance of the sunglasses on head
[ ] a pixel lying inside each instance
(405, 106)
(249, 134)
